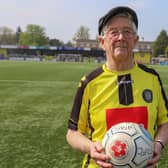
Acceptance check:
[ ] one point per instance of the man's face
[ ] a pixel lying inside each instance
(119, 39)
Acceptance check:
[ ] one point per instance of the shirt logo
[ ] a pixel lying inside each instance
(137, 114)
(119, 149)
(125, 82)
(147, 95)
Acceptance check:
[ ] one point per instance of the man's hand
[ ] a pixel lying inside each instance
(156, 155)
(98, 155)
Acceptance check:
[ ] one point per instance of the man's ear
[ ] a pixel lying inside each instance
(101, 41)
(137, 39)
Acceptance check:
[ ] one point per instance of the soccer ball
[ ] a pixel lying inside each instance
(129, 145)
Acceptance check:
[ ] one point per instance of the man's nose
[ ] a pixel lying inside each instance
(121, 35)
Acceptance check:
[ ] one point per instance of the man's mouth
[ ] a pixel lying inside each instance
(120, 47)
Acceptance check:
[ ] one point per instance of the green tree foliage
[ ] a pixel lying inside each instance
(166, 51)
(18, 32)
(7, 36)
(34, 35)
(82, 33)
(160, 44)
(69, 44)
(55, 42)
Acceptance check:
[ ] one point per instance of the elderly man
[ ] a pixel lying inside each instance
(119, 91)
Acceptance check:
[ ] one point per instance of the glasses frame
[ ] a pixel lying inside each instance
(127, 33)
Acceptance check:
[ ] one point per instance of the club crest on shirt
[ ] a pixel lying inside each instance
(147, 95)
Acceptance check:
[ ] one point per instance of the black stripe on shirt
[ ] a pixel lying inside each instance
(152, 71)
(125, 92)
(78, 98)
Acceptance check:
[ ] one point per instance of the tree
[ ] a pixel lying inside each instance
(166, 51)
(7, 36)
(69, 44)
(82, 33)
(18, 33)
(34, 35)
(160, 44)
(55, 42)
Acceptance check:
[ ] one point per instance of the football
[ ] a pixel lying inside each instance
(129, 145)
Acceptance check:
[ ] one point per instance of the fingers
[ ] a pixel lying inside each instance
(103, 164)
(154, 160)
(98, 155)
(156, 157)
(152, 166)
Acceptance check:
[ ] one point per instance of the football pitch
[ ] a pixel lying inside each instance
(35, 104)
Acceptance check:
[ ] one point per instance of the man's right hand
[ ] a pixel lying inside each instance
(98, 155)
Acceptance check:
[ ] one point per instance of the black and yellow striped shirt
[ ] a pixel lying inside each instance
(106, 97)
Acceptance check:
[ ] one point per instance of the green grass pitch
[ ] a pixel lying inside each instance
(35, 104)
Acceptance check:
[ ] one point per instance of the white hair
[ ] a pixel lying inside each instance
(124, 15)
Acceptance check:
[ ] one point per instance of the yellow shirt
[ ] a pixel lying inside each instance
(106, 97)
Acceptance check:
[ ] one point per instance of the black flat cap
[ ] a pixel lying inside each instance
(115, 11)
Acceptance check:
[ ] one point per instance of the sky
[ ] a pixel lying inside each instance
(62, 18)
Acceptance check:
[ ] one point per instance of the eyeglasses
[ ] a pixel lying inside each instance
(114, 33)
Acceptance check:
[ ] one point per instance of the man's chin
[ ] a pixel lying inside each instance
(121, 53)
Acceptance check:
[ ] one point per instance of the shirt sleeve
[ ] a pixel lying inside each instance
(162, 104)
(79, 114)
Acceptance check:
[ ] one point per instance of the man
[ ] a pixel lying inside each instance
(119, 91)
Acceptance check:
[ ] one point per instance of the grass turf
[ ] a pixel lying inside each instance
(35, 104)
